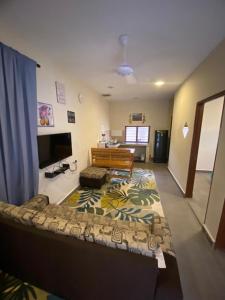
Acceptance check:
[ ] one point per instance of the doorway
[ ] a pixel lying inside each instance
(211, 112)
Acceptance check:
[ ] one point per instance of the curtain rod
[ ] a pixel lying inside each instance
(38, 66)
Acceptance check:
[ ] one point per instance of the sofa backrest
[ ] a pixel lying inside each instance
(74, 269)
(18, 214)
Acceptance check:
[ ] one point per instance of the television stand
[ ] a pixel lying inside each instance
(57, 171)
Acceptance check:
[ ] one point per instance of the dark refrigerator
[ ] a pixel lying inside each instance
(161, 146)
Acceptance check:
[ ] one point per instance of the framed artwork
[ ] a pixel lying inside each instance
(45, 115)
(137, 117)
(71, 116)
(60, 92)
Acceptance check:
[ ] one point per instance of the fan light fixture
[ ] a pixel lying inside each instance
(159, 83)
(125, 70)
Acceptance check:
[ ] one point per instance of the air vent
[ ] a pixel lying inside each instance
(106, 95)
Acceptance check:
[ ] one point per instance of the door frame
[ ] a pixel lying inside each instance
(195, 141)
(220, 240)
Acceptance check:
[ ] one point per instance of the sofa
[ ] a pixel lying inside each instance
(48, 246)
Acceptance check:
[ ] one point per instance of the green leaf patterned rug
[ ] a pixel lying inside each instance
(12, 288)
(134, 199)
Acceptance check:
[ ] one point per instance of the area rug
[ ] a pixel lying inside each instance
(135, 199)
(12, 288)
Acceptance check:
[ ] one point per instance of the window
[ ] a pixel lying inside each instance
(137, 134)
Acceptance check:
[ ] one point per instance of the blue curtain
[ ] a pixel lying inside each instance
(18, 127)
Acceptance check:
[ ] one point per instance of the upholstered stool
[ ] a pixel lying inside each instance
(93, 177)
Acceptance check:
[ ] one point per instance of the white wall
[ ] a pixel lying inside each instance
(157, 113)
(91, 115)
(209, 134)
(207, 80)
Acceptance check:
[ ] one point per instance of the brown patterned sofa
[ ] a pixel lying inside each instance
(52, 247)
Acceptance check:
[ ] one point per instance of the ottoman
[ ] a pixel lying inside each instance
(93, 177)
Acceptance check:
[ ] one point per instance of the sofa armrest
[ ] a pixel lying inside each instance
(38, 202)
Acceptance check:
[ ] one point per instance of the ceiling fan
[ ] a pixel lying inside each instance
(124, 69)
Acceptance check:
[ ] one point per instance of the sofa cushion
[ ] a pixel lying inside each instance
(133, 237)
(65, 212)
(19, 214)
(104, 220)
(38, 202)
(71, 214)
(137, 241)
(162, 233)
(59, 225)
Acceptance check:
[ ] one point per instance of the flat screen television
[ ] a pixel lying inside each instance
(53, 148)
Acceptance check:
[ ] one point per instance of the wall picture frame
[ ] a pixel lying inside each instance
(60, 92)
(45, 116)
(137, 117)
(71, 116)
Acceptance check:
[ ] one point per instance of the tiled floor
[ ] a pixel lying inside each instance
(202, 268)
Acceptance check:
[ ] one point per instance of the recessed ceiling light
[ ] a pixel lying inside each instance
(159, 83)
(106, 95)
(110, 87)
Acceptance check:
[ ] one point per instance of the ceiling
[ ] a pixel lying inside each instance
(167, 39)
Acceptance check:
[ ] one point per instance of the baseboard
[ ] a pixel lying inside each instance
(204, 171)
(177, 182)
(205, 229)
(60, 201)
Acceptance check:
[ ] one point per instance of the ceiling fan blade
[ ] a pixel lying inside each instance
(130, 79)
